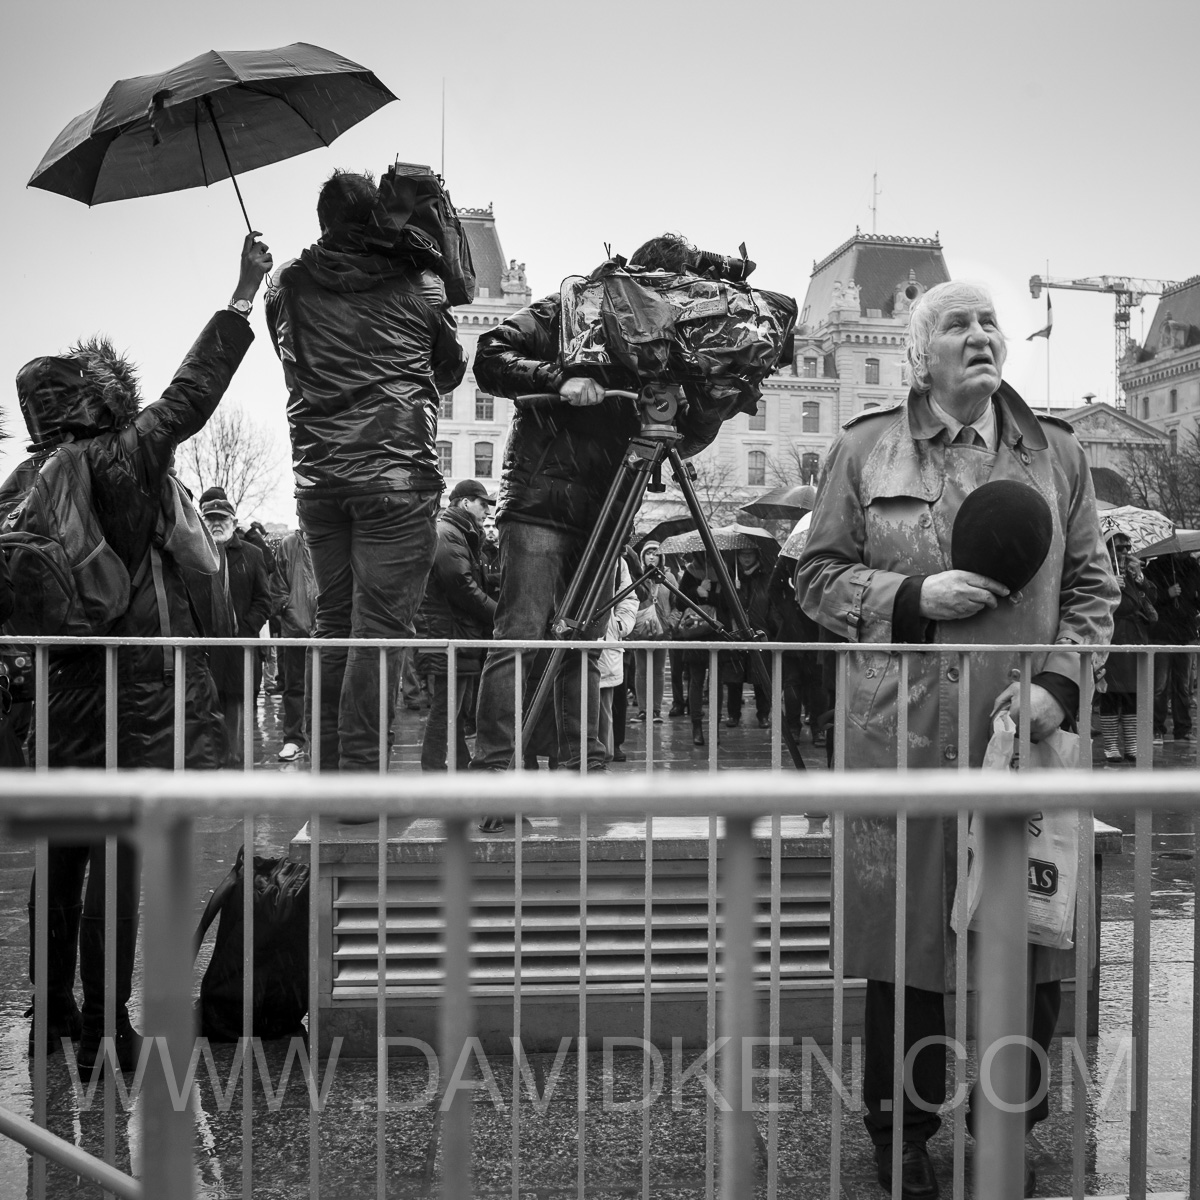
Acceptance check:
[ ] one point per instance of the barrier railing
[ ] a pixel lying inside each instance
(158, 811)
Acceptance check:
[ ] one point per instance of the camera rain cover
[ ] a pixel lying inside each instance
(723, 337)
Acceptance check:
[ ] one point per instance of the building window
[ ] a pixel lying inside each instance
(810, 368)
(872, 370)
(485, 406)
(758, 418)
(870, 404)
(1145, 408)
(483, 459)
(1173, 401)
(810, 421)
(446, 407)
(1173, 439)
(445, 453)
(756, 468)
(810, 467)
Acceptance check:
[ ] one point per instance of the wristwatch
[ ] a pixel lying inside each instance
(242, 307)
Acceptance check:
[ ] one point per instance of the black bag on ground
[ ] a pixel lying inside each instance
(280, 998)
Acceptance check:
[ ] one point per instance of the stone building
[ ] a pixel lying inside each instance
(473, 425)
(1162, 378)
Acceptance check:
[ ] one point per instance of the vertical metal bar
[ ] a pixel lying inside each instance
(384, 709)
(773, 1018)
(1083, 947)
(248, 653)
(452, 708)
(737, 1010)
(1003, 961)
(900, 975)
(381, 1049)
(1142, 884)
(837, 902)
(776, 732)
(457, 1008)
(41, 911)
(180, 709)
(647, 975)
(714, 709)
(248, 1006)
(1023, 733)
(167, 1125)
(314, 962)
(518, 713)
(961, 826)
(581, 1064)
(710, 1016)
(652, 688)
(584, 740)
(314, 741)
(110, 907)
(518, 902)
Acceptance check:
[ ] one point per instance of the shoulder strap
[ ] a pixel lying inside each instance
(215, 901)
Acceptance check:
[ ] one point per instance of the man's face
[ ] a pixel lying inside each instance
(966, 357)
(220, 526)
(489, 527)
(477, 506)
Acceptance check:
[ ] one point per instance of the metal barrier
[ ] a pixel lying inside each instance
(159, 809)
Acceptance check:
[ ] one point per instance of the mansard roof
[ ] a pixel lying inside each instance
(877, 263)
(1181, 306)
(487, 255)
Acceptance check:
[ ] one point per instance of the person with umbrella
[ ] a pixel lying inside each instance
(876, 568)
(368, 346)
(1177, 579)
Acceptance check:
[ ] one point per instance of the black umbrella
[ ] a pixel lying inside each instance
(784, 503)
(663, 530)
(218, 115)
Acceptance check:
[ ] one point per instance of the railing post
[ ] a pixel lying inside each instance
(1003, 968)
(167, 1128)
(457, 1010)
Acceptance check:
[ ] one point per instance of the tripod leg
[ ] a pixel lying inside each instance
(741, 622)
(586, 592)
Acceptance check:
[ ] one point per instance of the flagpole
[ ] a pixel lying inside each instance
(1047, 348)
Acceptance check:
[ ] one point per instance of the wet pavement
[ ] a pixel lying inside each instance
(346, 1134)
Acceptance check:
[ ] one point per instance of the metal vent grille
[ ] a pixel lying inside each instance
(550, 928)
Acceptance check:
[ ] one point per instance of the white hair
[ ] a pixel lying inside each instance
(924, 318)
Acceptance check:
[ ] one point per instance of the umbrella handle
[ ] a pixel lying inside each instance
(232, 177)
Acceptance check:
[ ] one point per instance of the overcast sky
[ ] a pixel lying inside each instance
(1018, 132)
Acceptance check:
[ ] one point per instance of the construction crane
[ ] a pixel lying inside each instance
(1129, 293)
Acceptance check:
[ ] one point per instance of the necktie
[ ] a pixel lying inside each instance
(967, 436)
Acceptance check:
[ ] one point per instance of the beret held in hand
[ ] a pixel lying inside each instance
(1003, 530)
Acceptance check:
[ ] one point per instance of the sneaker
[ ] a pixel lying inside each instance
(1158, 739)
(289, 751)
(641, 714)
(657, 717)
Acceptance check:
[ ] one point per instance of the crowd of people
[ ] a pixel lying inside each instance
(367, 345)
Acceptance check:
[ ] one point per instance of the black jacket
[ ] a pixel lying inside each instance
(1177, 615)
(456, 604)
(367, 345)
(560, 460)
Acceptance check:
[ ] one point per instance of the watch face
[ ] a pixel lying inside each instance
(242, 306)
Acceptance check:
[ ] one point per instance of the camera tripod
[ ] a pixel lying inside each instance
(587, 599)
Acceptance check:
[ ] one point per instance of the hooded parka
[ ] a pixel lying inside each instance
(368, 346)
(885, 511)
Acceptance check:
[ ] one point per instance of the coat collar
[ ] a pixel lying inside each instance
(1018, 425)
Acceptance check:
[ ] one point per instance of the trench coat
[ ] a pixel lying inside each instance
(885, 511)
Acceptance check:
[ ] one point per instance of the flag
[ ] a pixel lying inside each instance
(1045, 331)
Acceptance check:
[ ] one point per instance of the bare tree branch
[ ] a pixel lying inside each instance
(1165, 481)
(234, 453)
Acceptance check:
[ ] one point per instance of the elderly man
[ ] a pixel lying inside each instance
(367, 343)
(876, 568)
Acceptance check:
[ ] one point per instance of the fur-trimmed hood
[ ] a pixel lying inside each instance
(87, 391)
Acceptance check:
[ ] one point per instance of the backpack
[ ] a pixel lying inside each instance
(414, 196)
(280, 998)
(67, 580)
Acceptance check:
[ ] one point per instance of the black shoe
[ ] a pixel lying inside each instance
(917, 1180)
(618, 756)
(677, 710)
(126, 1049)
(764, 722)
(697, 735)
(732, 722)
(63, 1021)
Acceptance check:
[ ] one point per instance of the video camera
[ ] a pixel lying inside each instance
(720, 266)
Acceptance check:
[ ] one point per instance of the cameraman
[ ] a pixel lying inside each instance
(558, 465)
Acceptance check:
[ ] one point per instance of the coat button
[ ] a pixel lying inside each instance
(1015, 674)
(925, 520)
(870, 672)
(1024, 458)
(952, 674)
(950, 753)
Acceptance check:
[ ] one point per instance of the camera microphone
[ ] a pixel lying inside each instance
(723, 266)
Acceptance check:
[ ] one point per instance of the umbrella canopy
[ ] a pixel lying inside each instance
(1182, 541)
(797, 538)
(783, 503)
(217, 115)
(726, 537)
(664, 530)
(1143, 526)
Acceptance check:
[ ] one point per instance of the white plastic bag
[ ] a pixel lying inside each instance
(1052, 840)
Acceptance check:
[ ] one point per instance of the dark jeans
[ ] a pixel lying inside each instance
(1171, 674)
(433, 748)
(762, 700)
(925, 1017)
(291, 671)
(371, 555)
(679, 696)
(536, 564)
